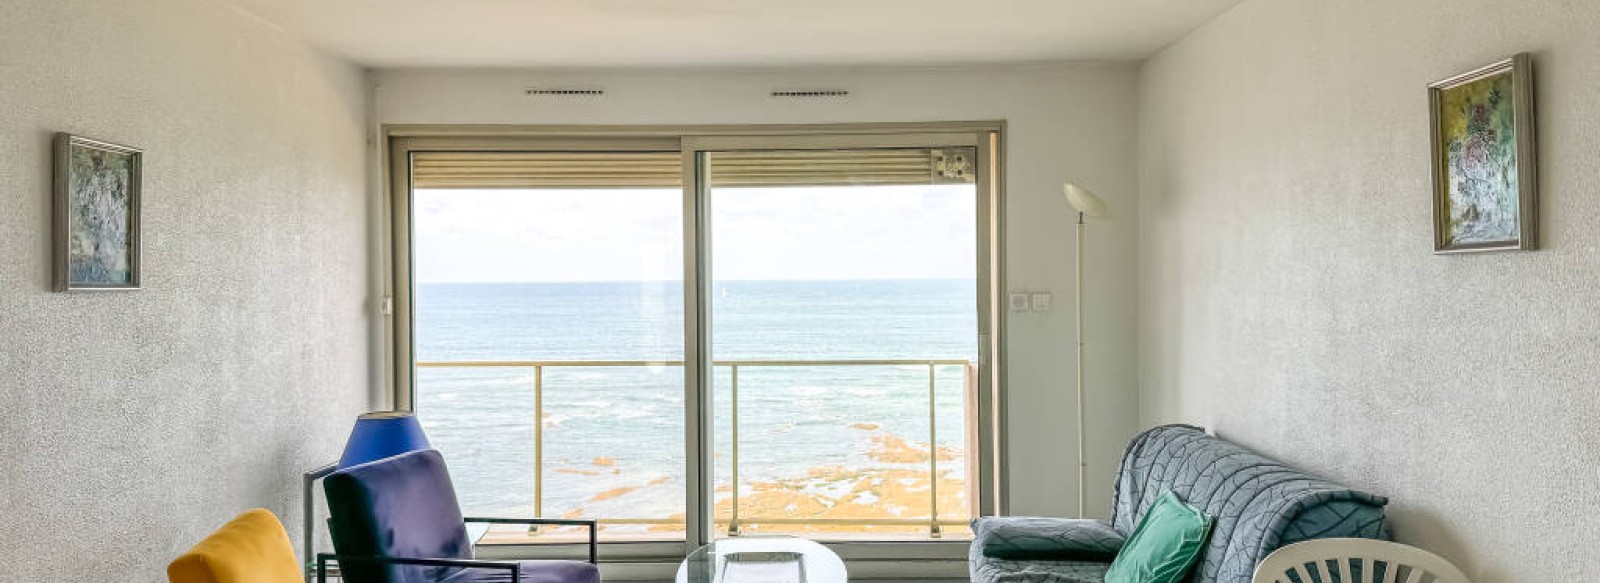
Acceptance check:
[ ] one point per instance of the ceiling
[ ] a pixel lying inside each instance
(585, 33)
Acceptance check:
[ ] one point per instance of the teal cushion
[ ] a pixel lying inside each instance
(1164, 546)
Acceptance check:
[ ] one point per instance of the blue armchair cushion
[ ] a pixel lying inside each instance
(402, 506)
(1032, 538)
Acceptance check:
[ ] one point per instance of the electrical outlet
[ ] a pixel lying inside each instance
(1019, 302)
(1040, 302)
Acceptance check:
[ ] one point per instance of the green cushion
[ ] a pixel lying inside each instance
(1167, 542)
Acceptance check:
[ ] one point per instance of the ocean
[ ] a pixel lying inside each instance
(827, 438)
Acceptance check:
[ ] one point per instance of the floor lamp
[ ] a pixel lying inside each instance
(1088, 204)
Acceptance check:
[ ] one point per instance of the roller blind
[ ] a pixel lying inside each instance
(665, 169)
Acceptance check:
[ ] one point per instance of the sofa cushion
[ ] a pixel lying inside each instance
(1164, 546)
(993, 570)
(1023, 537)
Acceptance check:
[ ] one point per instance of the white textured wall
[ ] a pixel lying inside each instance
(133, 423)
(1290, 298)
(1066, 122)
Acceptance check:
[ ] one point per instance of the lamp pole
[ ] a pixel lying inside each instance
(1083, 463)
(1087, 204)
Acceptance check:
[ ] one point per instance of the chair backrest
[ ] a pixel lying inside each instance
(251, 548)
(1356, 560)
(402, 506)
(1259, 504)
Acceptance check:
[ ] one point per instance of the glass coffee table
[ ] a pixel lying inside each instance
(755, 559)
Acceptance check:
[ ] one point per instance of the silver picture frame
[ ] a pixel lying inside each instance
(1517, 74)
(115, 192)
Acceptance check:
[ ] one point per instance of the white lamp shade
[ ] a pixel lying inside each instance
(1085, 201)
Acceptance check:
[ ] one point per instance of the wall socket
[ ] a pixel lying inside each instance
(1040, 301)
(1022, 302)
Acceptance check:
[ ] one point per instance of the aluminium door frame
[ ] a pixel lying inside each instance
(985, 141)
(397, 355)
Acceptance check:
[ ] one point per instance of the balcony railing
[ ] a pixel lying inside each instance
(734, 522)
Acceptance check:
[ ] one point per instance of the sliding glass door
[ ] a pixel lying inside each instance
(844, 317)
(549, 336)
(689, 336)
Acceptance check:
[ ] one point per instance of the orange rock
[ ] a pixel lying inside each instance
(613, 493)
(892, 449)
(578, 471)
(901, 491)
(678, 519)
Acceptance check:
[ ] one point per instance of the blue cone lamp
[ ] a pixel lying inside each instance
(382, 434)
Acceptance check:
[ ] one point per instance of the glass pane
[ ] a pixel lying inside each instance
(844, 329)
(549, 331)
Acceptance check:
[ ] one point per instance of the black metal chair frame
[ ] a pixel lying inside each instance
(512, 566)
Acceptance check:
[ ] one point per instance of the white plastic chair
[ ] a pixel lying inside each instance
(1341, 559)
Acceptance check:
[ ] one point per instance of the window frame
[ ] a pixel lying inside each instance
(654, 559)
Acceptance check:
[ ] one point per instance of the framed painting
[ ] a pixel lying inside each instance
(96, 215)
(1485, 167)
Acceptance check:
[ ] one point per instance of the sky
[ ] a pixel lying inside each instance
(805, 233)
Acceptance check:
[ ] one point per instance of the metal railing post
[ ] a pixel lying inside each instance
(538, 445)
(933, 455)
(733, 519)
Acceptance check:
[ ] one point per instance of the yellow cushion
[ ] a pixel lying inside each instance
(252, 548)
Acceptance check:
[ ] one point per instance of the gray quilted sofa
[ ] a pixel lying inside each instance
(1259, 505)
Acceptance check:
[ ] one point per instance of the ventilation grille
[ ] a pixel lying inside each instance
(539, 92)
(811, 93)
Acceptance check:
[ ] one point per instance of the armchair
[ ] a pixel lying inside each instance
(397, 520)
(251, 548)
